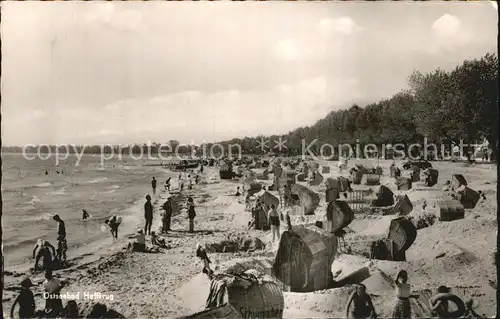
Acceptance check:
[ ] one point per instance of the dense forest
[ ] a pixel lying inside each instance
(443, 107)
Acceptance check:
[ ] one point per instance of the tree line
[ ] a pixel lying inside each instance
(444, 107)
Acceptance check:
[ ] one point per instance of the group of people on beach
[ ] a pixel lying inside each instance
(54, 307)
(360, 304)
(46, 252)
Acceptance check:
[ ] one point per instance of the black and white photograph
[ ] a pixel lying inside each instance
(249, 159)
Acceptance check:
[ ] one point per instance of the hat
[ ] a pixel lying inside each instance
(26, 282)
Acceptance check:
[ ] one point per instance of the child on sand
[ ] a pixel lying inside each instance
(402, 308)
(274, 220)
(160, 242)
(362, 306)
(26, 301)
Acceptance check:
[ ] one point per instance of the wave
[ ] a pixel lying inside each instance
(97, 180)
(46, 184)
(34, 199)
(37, 218)
(60, 191)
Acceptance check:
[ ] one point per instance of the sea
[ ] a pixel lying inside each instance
(34, 190)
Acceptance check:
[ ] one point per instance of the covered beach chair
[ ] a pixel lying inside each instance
(304, 257)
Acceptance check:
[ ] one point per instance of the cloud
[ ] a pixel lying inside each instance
(450, 32)
(288, 50)
(343, 25)
(124, 20)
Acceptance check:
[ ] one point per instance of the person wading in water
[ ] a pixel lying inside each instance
(148, 215)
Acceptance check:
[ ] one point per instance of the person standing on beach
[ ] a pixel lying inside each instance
(402, 308)
(153, 184)
(113, 224)
(167, 207)
(61, 239)
(191, 214)
(148, 215)
(167, 184)
(274, 219)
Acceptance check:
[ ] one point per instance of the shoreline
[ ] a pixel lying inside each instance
(132, 217)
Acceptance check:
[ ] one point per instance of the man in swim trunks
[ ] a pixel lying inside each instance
(61, 239)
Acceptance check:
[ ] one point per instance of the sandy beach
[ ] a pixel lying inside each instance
(169, 283)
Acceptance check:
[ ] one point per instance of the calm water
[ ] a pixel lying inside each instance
(31, 198)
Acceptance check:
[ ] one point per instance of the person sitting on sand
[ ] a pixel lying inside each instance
(43, 248)
(440, 304)
(155, 241)
(362, 306)
(85, 215)
(53, 302)
(113, 224)
(26, 301)
(62, 245)
(140, 242)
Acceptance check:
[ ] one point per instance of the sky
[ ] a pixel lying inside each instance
(128, 72)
